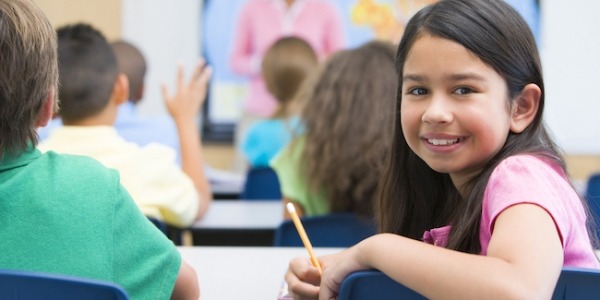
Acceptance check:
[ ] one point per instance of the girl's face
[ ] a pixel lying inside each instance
(455, 112)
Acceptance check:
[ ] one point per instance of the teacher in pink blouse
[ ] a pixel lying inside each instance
(262, 22)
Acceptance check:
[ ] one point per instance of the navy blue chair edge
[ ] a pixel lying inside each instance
(592, 197)
(261, 183)
(373, 284)
(577, 283)
(40, 285)
(330, 230)
(573, 284)
(162, 226)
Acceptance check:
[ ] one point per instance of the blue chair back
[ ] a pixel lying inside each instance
(573, 284)
(592, 195)
(374, 285)
(577, 283)
(332, 230)
(24, 285)
(261, 184)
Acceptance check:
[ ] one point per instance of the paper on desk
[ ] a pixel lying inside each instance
(220, 177)
(283, 292)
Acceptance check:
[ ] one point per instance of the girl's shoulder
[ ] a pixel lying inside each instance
(528, 176)
(528, 163)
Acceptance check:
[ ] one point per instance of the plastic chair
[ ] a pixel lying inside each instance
(332, 230)
(573, 284)
(577, 283)
(261, 184)
(592, 195)
(24, 285)
(374, 285)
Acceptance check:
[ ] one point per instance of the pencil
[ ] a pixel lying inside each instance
(313, 258)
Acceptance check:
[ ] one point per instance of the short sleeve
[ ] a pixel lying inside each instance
(334, 40)
(294, 186)
(161, 186)
(144, 258)
(529, 179)
(286, 165)
(242, 57)
(251, 146)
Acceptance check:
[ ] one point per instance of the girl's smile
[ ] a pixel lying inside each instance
(442, 143)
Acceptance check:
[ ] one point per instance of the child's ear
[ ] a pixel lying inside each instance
(46, 111)
(121, 89)
(525, 107)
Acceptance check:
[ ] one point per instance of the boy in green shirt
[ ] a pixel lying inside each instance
(67, 214)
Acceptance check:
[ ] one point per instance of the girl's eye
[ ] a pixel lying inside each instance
(463, 90)
(417, 91)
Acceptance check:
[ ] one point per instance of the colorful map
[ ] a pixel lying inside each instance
(386, 18)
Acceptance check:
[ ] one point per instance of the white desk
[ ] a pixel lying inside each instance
(238, 222)
(242, 214)
(225, 184)
(230, 273)
(226, 190)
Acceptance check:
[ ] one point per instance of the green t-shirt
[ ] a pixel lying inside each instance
(294, 186)
(70, 215)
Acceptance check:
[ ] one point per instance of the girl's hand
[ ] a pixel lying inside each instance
(335, 269)
(189, 97)
(303, 279)
(305, 282)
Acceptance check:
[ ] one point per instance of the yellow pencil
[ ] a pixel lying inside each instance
(313, 258)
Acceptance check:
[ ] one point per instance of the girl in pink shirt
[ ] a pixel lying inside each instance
(475, 201)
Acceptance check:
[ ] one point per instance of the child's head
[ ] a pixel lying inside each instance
(470, 94)
(133, 64)
(28, 74)
(88, 71)
(497, 35)
(346, 116)
(285, 65)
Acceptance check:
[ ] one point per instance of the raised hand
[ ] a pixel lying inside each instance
(190, 96)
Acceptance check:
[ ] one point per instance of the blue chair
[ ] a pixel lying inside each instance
(577, 283)
(374, 285)
(24, 285)
(162, 226)
(592, 195)
(332, 230)
(573, 284)
(261, 184)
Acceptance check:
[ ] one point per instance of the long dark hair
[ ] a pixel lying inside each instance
(414, 198)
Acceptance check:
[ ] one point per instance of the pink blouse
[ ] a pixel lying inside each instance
(262, 22)
(529, 179)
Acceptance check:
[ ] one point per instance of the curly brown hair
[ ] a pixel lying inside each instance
(347, 116)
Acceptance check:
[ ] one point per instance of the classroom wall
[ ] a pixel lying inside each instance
(570, 51)
(169, 32)
(105, 15)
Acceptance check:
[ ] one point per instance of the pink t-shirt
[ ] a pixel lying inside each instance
(530, 179)
(262, 22)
